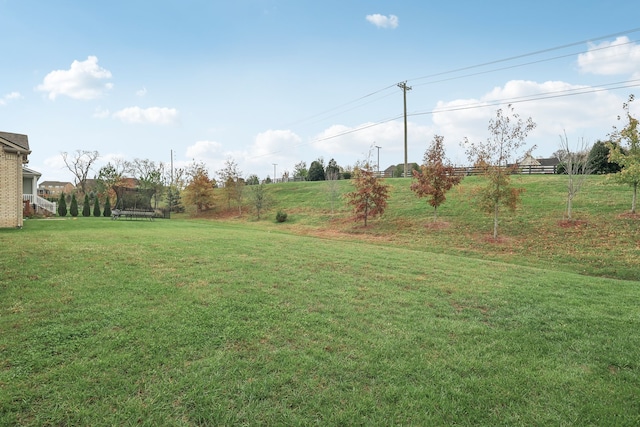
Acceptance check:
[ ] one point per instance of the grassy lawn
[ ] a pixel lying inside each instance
(319, 321)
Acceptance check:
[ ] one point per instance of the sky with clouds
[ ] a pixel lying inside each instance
(276, 82)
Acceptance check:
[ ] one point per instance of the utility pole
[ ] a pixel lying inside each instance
(378, 147)
(274, 172)
(405, 88)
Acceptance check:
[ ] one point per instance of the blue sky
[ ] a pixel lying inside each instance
(267, 82)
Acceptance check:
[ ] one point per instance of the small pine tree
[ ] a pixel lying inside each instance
(96, 207)
(86, 207)
(107, 208)
(73, 210)
(62, 206)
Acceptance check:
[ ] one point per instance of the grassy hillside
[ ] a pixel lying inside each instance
(602, 241)
(200, 322)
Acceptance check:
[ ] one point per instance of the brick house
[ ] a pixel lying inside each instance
(14, 152)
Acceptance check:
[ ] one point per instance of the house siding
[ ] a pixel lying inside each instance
(11, 185)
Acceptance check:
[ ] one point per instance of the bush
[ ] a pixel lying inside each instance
(86, 207)
(62, 206)
(281, 216)
(73, 210)
(96, 207)
(107, 208)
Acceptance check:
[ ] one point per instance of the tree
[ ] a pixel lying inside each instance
(107, 208)
(332, 170)
(73, 210)
(598, 160)
(370, 196)
(96, 207)
(253, 180)
(316, 170)
(300, 171)
(627, 156)
(260, 198)
(199, 192)
(109, 176)
(86, 207)
(62, 205)
(436, 176)
(233, 183)
(332, 176)
(507, 135)
(150, 176)
(576, 166)
(79, 164)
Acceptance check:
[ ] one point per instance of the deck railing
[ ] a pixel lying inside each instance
(41, 203)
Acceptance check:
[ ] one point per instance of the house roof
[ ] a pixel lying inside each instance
(30, 172)
(551, 161)
(20, 140)
(54, 184)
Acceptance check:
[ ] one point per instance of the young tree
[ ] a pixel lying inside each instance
(332, 175)
(86, 207)
(73, 210)
(230, 175)
(200, 190)
(79, 164)
(260, 198)
(62, 205)
(627, 156)
(300, 171)
(96, 207)
(370, 196)
(576, 166)
(436, 176)
(507, 135)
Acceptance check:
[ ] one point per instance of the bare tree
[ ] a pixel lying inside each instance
(507, 135)
(79, 164)
(576, 166)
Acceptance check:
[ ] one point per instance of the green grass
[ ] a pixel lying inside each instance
(319, 321)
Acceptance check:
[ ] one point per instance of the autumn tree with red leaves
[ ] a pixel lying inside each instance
(370, 196)
(436, 176)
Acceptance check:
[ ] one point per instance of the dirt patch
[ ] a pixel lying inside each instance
(629, 215)
(572, 223)
(437, 225)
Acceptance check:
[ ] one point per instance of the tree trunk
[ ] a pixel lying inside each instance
(435, 214)
(569, 206)
(495, 221)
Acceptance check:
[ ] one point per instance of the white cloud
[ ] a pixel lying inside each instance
(588, 115)
(84, 80)
(383, 21)
(10, 97)
(152, 115)
(358, 142)
(203, 150)
(141, 92)
(610, 58)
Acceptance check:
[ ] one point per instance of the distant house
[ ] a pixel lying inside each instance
(396, 171)
(529, 164)
(14, 152)
(53, 189)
